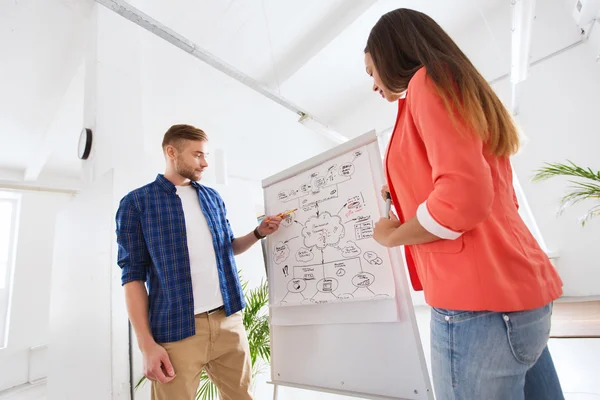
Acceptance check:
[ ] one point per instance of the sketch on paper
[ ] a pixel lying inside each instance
(324, 252)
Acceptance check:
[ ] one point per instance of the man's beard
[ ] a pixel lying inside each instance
(186, 171)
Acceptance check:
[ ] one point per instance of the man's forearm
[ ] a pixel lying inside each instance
(243, 243)
(136, 298)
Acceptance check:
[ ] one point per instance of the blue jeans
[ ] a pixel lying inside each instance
(487, 355)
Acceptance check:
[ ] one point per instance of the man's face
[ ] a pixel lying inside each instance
(190, 159)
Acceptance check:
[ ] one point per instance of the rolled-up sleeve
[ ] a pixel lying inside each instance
(132, 254)
(463, 191)
(227, 224)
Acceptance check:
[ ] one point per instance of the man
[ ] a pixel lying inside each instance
(173, 234)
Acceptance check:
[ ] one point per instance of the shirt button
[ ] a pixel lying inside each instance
(506, 317)
(447, 318)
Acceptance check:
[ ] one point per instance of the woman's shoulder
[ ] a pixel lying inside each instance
(419, 80)
(422, 90)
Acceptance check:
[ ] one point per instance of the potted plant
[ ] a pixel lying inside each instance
(256, 322)
(586, 186)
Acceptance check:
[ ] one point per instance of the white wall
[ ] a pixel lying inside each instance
(559, 116)
(31, 290)
(80, 306)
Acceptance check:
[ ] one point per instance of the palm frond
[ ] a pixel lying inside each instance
(207, 389)
(593, 212)
(581, 191)
(588, 189)
(549, 170)
(141, 382)
(256, 323)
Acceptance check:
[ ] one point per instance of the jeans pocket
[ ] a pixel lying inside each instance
(528, 333)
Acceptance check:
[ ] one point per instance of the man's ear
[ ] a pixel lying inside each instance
(171, 152)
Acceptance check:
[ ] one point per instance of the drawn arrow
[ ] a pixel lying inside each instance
(291, 239)
(317, 205)
(299, 223)
(338, 213)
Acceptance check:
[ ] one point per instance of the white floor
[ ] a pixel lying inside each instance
(577, 362)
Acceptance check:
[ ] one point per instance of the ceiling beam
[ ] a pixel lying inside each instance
(138, 17)
(316, 39)
(523, 15)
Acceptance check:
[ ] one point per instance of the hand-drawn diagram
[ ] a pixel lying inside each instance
(325, 251)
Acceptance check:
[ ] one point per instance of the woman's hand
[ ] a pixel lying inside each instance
(384, 229)
(385, 191)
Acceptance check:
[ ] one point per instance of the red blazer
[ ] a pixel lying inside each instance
(438, 171)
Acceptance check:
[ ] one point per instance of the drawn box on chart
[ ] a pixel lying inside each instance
(364, 230)
(330, 276)
(308, 273)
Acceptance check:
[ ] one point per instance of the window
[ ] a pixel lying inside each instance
(9, 210)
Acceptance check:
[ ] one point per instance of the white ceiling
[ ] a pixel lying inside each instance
(40, 46)
(310, 52)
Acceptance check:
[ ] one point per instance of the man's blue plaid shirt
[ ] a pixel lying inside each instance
(151, 236)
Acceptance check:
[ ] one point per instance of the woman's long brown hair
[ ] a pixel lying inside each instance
(404, 40)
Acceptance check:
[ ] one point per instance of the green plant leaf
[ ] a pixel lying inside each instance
(593, 212)
(141, 382)
(588, 189)
(550, 170)
(207, 389)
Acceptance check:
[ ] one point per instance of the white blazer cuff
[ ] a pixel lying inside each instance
(432, 226)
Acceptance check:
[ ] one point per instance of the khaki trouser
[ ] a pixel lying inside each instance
(220, 346)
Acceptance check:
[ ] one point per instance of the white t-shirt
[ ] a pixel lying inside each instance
(203, 262)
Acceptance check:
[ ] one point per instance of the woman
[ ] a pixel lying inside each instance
(490, 285)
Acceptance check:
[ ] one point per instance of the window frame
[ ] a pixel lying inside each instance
(8, 289)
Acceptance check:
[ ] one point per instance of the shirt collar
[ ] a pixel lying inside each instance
(169, 187)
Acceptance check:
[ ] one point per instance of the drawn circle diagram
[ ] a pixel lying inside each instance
(304, 255)
(346, 169)
(340, 272)
(296, 285)
(370, 256)
(281, 253)
(317, 183)
(322, 231)
(363, 280)
(351, 250)
(327, 285)
(288, 220)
